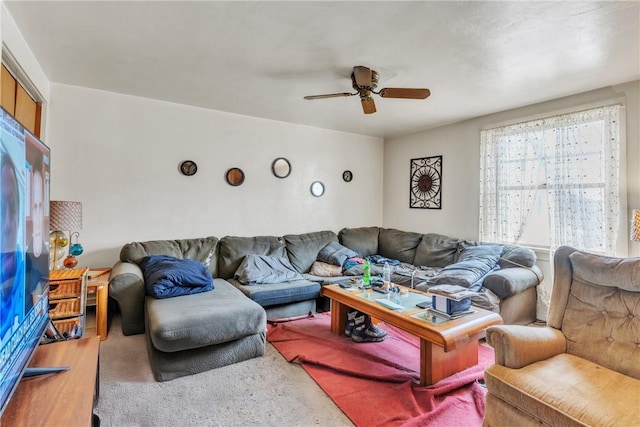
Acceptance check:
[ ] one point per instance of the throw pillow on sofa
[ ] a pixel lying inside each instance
(474, 263)
(261, 269)
(166, 276)
(323, 269)
(336, 254)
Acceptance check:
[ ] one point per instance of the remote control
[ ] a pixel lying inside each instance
(379, 289)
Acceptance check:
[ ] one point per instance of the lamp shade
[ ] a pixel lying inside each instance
(635, 225)
(65, 216)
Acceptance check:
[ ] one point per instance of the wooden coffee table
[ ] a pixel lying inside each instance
(446, 346)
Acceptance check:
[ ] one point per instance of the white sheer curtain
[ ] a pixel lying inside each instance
(570, 160)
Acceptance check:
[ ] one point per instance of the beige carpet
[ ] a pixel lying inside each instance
(265, 391)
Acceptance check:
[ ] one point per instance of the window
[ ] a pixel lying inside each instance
(553, 181)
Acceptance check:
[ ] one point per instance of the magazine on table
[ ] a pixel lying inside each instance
(454, 292)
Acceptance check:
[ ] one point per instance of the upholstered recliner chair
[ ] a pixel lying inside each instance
(583, 368)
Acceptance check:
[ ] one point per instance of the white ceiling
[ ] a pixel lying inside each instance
(261, 58)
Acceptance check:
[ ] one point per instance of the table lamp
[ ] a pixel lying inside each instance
(64, 216)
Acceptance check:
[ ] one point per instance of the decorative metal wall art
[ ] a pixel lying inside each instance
(425, 185)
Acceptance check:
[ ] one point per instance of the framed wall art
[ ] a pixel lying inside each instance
(425, 184)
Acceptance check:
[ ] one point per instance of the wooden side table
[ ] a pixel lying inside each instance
(98, 295)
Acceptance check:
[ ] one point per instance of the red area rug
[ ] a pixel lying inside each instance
(377, 384)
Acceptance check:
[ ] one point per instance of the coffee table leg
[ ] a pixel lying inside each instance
(338, 317)
(436, 364)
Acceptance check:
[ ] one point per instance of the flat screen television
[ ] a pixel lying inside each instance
(24, 255)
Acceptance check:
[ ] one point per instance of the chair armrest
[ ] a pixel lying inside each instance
(126, 286)
(517, 346)
(511, 281)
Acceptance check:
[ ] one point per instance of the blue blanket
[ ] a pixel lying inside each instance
(166, 276)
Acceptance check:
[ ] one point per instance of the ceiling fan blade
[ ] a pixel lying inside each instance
(397, 92)
(362, 76)
(368, 106)
(329, 95)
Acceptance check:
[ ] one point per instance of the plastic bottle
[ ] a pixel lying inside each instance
(386, 276)
(366, 277)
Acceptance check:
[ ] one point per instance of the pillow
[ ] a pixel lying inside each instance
(474, 263)
(323, 269)
(336, 254)
(166, 276)
(261, 269)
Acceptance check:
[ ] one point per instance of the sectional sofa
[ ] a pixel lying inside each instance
(192, 333)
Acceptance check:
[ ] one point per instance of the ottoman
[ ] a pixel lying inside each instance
(194, 333)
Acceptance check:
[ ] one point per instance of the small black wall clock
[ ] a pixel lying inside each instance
(425, 186)
(188, 167)
(347, 176)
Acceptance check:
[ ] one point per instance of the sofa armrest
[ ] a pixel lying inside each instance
(517, 346)
(511, 281)
(126, 286)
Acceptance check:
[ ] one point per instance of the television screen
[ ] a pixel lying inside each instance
(24, 255)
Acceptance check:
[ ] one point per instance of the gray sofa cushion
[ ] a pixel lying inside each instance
(303, 248)
(363, 240)
(510, 281)
(204, 250)
(234, 249)
(268, 295)
(436, 250)
(397, 244)
(193, 321)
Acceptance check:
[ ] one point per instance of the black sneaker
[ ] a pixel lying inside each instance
(351, 316)
(369, 333)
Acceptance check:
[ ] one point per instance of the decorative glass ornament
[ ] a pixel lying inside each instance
(58, 238)
(76, 249)
(70, 261)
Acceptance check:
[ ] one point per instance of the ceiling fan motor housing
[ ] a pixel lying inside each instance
(374, 81)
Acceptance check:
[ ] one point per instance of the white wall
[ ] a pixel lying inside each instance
(119, 155)
(459, 144)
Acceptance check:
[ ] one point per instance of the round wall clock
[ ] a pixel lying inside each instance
(426, 182)
(188, 167)
(234, 176)
(347, 176)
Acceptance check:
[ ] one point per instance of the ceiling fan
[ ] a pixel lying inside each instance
(364, 81)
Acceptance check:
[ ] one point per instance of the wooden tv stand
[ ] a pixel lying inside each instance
(62, 399)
